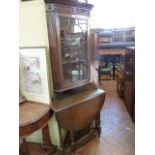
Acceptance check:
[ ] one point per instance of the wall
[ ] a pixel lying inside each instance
(33, 32)
(112, 14)
(33, 27)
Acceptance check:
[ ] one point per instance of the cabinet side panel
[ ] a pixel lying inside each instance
(54, 52)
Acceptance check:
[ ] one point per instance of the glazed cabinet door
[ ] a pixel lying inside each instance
(68, 39)
(74, 51)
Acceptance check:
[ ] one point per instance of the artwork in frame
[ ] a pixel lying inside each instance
(34, 74)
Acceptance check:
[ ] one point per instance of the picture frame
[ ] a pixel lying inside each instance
(34, 74)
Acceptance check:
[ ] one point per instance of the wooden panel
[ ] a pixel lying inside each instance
(129, 96)
(81, 116)
(78, 111)
(54, 49)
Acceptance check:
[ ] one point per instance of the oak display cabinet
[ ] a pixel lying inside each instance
(68, 31)
(73, 73)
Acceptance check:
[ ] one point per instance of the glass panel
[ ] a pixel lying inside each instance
(67, 72)
(73, 33)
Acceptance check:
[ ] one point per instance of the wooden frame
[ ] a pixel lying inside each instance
(34, 76)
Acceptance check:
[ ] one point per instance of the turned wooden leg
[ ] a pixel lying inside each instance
(23, 148)
(47, 141)
(91, 128)
(46, 137)
(72, 138)
(98, 127)
(60, 149)
(114, 69)
(72, 141)
(99, 74)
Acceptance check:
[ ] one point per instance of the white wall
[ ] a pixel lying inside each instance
(33, 27)
(112, 14)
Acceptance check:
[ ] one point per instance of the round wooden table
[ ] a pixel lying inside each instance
(32, 117)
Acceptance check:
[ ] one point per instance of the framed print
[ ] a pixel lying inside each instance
(34, 76)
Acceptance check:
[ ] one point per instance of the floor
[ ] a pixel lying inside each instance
(118, 133)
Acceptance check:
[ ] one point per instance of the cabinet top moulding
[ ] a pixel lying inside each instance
(71, 3)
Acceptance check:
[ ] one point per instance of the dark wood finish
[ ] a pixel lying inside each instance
(46, 139)
(129, 96)
(126, 80)
(72, 117)
(80, 138)
(78, 111)
(75, 107)
(129, 81)
(23, 148)
(120, 82)
(55, 9)
(98, 126)
(32, 117)
(70, 3)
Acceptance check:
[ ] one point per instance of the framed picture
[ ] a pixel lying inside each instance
(34, 75)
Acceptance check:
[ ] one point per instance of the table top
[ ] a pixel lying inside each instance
(30, 112)
(32, 117)
(75, 99)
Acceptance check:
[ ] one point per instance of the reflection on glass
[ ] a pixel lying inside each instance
(73, 32)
